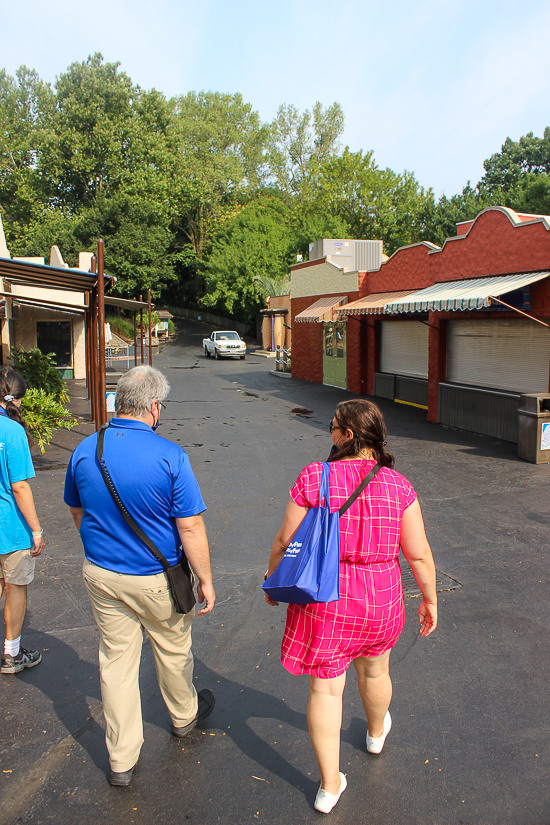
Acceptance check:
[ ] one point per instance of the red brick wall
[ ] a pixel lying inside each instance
(408, 268)
(307, 344)
(357, 354)
(492, 247)
(437, 362)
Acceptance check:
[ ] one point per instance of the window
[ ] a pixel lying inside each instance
(55, 337)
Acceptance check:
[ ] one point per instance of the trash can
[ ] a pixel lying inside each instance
(534, 428)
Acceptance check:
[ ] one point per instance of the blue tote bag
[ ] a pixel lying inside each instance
(309, 571)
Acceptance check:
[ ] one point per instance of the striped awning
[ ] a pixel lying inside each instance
(373, 304)
(321, 310)
(463, 295)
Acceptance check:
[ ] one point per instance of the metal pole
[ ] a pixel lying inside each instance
(141, 328)
(135, 339)
(150, 330)
(101, 329)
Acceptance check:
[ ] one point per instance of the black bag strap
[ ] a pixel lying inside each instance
(118, 501)
(356, 493)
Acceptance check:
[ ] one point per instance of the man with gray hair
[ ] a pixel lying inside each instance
(127, 585)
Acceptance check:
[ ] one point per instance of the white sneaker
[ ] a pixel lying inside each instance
(325, 801)
(376, 745)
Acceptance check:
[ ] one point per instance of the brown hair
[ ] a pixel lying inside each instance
(11, 383)
(367, 424)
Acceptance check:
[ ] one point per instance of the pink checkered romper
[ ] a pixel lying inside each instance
(323, 639)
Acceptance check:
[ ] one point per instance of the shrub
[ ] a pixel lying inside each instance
(171, 326)
(44, 415)
(121, 326)
(39, 371)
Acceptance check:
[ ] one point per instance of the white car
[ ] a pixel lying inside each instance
(226, 342)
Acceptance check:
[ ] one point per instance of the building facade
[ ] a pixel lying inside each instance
(459, 330)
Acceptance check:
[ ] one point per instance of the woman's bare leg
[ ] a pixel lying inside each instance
(373, 678)
(324, 719)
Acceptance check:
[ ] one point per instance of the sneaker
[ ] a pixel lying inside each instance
(205, 708)
(376, 745)
(325, 801)
(25, 658)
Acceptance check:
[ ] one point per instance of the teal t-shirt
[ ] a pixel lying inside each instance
(15, 465)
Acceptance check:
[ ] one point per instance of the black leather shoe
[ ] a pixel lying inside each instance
(121, 778)
(207, 701)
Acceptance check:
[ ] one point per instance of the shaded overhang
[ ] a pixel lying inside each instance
(42, 303)
(23, 272)
(126, 303)
(476, 293)
(321, 310)
(373, 304)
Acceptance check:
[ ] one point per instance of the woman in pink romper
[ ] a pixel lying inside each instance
(321, 639)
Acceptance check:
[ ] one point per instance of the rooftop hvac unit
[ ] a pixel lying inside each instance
(349, 255)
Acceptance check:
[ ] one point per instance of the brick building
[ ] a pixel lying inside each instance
(453, 329)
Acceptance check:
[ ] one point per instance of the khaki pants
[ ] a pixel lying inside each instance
(123, 605)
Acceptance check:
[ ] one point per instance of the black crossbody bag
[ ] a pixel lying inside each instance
(180, 578)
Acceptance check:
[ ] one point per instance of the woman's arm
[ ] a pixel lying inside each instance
(23, 497)
(294, 516)
(417, 551)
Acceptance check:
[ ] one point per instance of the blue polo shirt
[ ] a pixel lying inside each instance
(15, 465)
(156, 484)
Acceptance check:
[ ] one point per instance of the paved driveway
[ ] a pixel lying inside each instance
(471, 705)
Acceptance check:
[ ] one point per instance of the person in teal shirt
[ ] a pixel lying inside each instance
(21, 537)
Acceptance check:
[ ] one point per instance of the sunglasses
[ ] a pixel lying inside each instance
(332, 426)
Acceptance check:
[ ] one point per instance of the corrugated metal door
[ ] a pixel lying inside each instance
(404, 348)
(500, 354)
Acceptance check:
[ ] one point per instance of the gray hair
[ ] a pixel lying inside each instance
(138, 388)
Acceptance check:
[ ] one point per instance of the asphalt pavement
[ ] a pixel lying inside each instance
(471, 708)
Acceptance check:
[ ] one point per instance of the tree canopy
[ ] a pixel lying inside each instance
(201, 201)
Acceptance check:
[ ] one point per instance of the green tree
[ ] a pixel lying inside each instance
(440, 219)
(25, 104)
(253, 246)
(369, 203)
(300, 143)
(518, 175)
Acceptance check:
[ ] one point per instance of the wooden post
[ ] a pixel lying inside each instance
(150, 330)
(94, 364)
(141, 328)
(87, 349)
(102, 417)
(94, 377)
(135, 339)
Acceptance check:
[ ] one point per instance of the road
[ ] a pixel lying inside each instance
(470, 712)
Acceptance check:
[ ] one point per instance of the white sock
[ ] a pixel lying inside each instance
(11, 646)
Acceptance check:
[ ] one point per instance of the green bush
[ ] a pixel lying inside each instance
(121, 326)
(39, 371)
(171, 326)
(44, 415)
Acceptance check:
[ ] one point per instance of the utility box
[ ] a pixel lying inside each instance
(534, 428)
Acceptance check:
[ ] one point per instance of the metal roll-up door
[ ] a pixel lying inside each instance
(404, 348)
(498, 353)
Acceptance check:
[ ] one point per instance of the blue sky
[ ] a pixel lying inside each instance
(433, 87)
